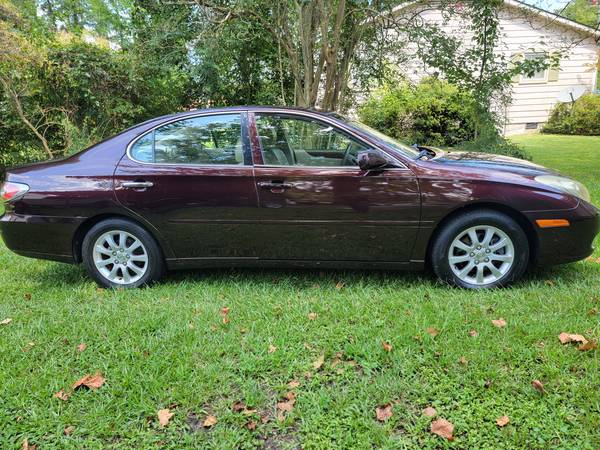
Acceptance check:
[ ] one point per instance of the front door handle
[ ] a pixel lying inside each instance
(137, 184)
(276, 187)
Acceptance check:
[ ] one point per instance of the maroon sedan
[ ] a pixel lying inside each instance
(275, 187)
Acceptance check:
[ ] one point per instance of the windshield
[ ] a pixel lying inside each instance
(391, 142)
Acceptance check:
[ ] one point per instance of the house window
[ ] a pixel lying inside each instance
(537, 77)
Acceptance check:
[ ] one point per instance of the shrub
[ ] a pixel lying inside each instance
(433, 112)
(581, 117)
(492, 142)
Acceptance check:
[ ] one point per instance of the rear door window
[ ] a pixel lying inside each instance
(203, 140)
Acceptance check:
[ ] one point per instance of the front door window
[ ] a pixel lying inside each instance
(289, 141)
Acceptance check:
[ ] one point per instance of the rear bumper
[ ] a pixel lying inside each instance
(40, 236)
(568, 244)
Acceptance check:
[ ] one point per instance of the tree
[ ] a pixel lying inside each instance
(18, 63)
(319, 38)
(582, 11)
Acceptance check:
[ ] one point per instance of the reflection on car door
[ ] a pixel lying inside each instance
(200, 191)
(316, 203)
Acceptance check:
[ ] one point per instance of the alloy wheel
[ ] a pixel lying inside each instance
(481, 255)
(120, 257)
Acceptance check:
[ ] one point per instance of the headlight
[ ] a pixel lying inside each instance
(566, 185)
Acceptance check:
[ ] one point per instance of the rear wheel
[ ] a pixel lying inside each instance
(480, 249)
(120, 253)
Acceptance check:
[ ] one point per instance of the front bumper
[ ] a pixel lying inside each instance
(567, 244)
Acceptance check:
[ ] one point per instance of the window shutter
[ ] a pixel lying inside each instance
(553, 72)
(516, 58)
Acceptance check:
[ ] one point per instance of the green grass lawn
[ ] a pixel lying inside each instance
(167, 347)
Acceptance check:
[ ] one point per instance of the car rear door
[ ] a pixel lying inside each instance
(192, 179)
(317, 204)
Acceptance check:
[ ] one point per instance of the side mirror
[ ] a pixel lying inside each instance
(372, 160)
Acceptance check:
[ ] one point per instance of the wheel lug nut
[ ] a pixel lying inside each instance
(476, 262)
(479, 247)
(472, 254)
(487, 259)
(487, 250)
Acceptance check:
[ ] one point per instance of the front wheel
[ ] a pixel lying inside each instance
(120, 253)
(480, 249)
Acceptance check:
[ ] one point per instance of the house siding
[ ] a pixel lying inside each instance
(522, 32)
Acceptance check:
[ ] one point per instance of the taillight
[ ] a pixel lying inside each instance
(11, 191)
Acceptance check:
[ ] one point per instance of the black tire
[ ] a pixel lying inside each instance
(155, 263)
(439, 255)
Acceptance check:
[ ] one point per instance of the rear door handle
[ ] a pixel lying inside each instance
(137, 184)
(274, 186)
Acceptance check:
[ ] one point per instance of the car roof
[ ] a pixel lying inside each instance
(253, 108)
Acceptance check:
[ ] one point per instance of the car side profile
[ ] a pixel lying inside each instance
(282, 187)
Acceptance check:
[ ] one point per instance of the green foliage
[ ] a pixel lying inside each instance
(581, 117)
(61, 92)
(582, 11)
(491, 142)
(434, 112)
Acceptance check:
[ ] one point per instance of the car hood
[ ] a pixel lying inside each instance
(490, 161)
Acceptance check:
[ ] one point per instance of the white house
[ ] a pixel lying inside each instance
(526, 32)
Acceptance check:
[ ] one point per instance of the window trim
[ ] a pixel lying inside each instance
(526, 80)
(318, 118)
(243, 130)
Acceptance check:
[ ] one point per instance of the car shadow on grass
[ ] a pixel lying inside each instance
(61, 275)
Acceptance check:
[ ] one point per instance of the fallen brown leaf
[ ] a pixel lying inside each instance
(69, 430)
(442, 428)
(565, 338)
(26, 445)
(502, 421)
(386, 346)
(293, 384)
(429, 411)
(209, 421)
(90, 381)
(383, 413)
(225, 315)
(463, 361)
(473, 333)
(62, 395)
(272, 348)
(432, 331)
(27, 296)
(500, 323)
(251, 425)
(340, 285)
(238, 406)
(81, 347)
(593, 312)
(5, 321)
(318, 363)
(591, 345)
(164, 416)
(312, 315)
(287, 406)
(538, 386)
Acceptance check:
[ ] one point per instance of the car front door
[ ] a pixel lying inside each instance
(317, 204)
(192, 179)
